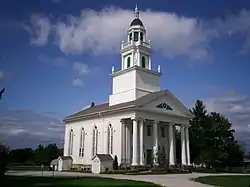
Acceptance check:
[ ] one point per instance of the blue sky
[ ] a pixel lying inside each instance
(56, 57)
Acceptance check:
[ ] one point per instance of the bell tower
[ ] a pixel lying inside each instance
(135, 79)
(137, 49)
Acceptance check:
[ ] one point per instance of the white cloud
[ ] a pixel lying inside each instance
(2, 74)
(102, 32)
(236, 107)
(77, 82)
(39, 29)
(81, 68)
(236, 25)
(24, 128)
(56, 61)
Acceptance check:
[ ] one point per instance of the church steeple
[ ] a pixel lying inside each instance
(135, 78)
(137, 50)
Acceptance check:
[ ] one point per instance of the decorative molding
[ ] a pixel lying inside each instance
(164, 105)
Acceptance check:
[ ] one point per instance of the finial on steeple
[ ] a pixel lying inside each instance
(136, 13)
(159, 69)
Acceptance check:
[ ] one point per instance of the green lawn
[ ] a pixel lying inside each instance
(226, 181)
(13, 181)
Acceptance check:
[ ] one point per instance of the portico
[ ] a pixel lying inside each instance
(137, 135)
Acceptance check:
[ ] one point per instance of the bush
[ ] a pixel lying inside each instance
(116, 172)
(115, 163)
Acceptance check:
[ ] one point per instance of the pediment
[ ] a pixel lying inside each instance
(166, 103)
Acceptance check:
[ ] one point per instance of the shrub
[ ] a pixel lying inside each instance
(115, 163)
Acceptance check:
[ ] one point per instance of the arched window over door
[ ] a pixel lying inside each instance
(110, 139)
(82, 140)
(143, 62)
(71, 137)
(128, 62)
(95, 141)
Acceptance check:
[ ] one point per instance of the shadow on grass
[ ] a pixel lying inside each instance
(17, 181)
(225, 181)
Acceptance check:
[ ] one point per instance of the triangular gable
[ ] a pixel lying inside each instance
(163, 102)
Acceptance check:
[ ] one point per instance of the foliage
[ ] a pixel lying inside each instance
(161, 157)
(21, 155)
(3, 160)
(115, 163)
(45, 154)
(41, 155)
(212, 139)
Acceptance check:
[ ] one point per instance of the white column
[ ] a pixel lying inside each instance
(171, 145)
(135, 143)
(123, 141)
(156, 145)
(138, 58)
(141, 143)
(174, 139)
(187, 145)
(183, 146)
(128, 144)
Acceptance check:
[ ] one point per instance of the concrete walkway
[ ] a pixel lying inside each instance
(168, 180)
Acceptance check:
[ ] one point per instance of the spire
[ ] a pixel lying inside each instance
(136, 13)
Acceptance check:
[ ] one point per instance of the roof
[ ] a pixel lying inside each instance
(136, 21)
(104, 157)
(97, 109)
(54, 162)
(65, 157)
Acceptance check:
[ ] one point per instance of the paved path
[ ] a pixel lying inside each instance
(169, 180)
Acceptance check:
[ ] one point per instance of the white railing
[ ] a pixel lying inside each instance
(131, 43)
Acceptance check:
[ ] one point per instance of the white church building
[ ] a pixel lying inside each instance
(138, 118)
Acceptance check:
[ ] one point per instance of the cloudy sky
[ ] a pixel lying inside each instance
(56, 56)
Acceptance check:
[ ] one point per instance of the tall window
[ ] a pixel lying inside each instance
(143, 63)
(148, 130)
(128, 62)
(95, 141)
(82, 139)
(130, 36)
(141, 36)
(162, 132)
(136, 36)
(71, 136)
(110, 139)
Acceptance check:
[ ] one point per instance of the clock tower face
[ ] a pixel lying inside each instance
(164, 106)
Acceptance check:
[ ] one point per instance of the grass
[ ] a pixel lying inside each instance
(226, 181)
(14, 181)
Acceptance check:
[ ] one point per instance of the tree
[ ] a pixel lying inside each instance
(212, 139)
(115, 163)
(161, 157)
(44, 155)
(21, 155)
(197, 131)
(3, 160)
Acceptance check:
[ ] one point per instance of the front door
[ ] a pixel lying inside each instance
(149, 156)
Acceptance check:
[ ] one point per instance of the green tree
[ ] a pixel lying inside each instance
(3, 160)
(212, 139)
(197, 131)
(21, 155)
(44, 155)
